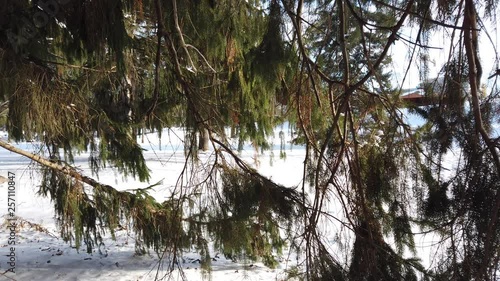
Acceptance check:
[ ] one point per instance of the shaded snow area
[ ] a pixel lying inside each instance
(41, 254)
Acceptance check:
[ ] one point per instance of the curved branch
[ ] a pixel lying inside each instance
(64, 169)
(179, 31)
(392, 38)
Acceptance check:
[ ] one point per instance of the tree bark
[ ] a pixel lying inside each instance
(204, 138)
(475, 72)
(65, 169)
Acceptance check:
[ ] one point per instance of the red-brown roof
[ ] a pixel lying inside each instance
(418, 99)
(415, 95)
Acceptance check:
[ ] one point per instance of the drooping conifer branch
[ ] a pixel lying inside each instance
(64, 169)
(181, 35)
(81, 215)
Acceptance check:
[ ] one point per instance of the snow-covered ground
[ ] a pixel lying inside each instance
(42, 255)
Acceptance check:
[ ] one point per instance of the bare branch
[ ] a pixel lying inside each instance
(181, 37)
(64, 169)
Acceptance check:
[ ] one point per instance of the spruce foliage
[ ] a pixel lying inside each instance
(92, 76)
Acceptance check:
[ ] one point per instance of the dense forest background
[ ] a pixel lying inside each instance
(94, 75)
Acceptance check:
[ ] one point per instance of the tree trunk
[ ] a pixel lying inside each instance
(475, 72)
(204, 138)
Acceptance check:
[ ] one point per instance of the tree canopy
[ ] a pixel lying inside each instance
(93, 75)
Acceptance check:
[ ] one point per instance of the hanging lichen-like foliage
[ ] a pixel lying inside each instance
(245, 221)
(253, 211)
(269, 57)
(85, 215)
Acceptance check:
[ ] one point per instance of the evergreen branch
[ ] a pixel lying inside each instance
(181, 37)
(418, 44)
(346, 77)
(64, 169)
(295, 18)
(363, 21)
(113, 68)
(390, 40)
(492, 44)
(4, 107)
(320, 191)
(413, 51)
(356, 166)
(252, 172)
(309, 138)
(159, 34)
(155, 222)
(202, 56)
(304, 20)
(439, 23)
(496, 73)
